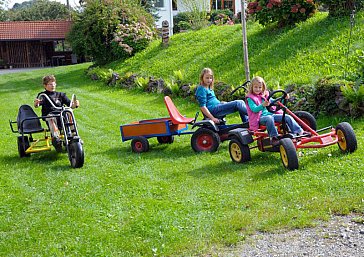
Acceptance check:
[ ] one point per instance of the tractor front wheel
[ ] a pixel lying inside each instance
(346, 137)
(288, 154)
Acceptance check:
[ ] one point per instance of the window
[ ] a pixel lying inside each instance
(223, 4)
(159, 3)
(174, 5)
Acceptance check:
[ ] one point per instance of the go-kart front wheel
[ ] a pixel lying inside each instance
(205, 140)
(76, 154)
(139, 145)
(288, 154)
(23, 146)
(239, 152)
(346, 137)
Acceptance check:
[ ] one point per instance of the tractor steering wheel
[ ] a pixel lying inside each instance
(274, 106)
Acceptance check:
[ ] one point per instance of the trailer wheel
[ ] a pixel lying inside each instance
(288, 154)
(347, 139)
(165, 139)
(139, 145)
(76, 154)
(307, 118)
(22, 147)
(239, 152)
(205, 140)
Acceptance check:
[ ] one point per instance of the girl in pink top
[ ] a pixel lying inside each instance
(258, 113)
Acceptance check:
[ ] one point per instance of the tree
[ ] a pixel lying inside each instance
(39, 10)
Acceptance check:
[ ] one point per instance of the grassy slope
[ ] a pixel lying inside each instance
(169, 201)
(313, 49)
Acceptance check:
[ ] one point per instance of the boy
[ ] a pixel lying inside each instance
(59, 99)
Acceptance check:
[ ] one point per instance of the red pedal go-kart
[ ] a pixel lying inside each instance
(29, 128)
(240, 139)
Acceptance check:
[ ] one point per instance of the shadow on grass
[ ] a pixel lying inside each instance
(47, 159)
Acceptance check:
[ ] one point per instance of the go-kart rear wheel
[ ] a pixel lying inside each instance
(139, 145)
(76, 154)
(23, 146)
(307, 118)
(288, 154)
(205, 140)
(239, 152)
(346, 137)
(165, 139)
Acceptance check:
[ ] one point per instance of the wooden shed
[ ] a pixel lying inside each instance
(26, 44)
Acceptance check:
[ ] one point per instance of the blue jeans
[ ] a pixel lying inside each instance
(223, 109)
(269, 120)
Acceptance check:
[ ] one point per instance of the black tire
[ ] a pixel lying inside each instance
(76, 154)
(205, 140)
(307, 118)
(239, 152)
(288, 154)
(165, 139)
(22, 147)
(139, 145)
(347, 139)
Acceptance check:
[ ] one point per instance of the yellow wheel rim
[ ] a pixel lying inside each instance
(235, 152)
(341, 140)
(283, 156)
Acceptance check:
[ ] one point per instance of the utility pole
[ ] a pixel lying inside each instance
(245, 40)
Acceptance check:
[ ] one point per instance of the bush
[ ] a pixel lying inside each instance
(281, 12)
(93, 32)
(341, 7)
(131, 38)
(189, 20)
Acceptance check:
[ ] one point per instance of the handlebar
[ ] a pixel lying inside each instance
(73, 99)
(241, 86)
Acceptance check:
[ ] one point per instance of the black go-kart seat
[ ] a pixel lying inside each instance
(32, 124)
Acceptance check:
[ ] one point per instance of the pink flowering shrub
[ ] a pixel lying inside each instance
(132, 38)
(282, 12)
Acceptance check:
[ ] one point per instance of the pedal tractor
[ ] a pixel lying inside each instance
(241, 139)
(209, 136)
(29, 128)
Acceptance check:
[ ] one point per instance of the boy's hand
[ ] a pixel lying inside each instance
(37, 102)
(75, 104)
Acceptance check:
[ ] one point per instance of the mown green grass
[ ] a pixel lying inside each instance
(169, 201)
(301, 55)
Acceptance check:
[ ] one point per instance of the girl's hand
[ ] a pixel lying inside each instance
(265, 103)
(215, 120)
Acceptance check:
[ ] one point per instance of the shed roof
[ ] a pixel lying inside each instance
(34, 30)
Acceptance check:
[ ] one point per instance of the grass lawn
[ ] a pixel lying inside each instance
(169, 201)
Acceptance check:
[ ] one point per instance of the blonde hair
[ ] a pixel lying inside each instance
(207, 71)
(48, 78)
(255, 80)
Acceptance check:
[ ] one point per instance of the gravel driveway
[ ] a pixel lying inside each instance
(342, 236)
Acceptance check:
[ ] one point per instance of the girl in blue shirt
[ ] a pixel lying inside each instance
(210, 106)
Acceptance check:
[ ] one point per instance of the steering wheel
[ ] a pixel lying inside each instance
(241, 86)
(274, 103)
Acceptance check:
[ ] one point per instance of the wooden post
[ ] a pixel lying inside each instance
(245, 40)
(165, 33)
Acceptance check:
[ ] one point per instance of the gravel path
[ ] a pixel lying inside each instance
(342, 236)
